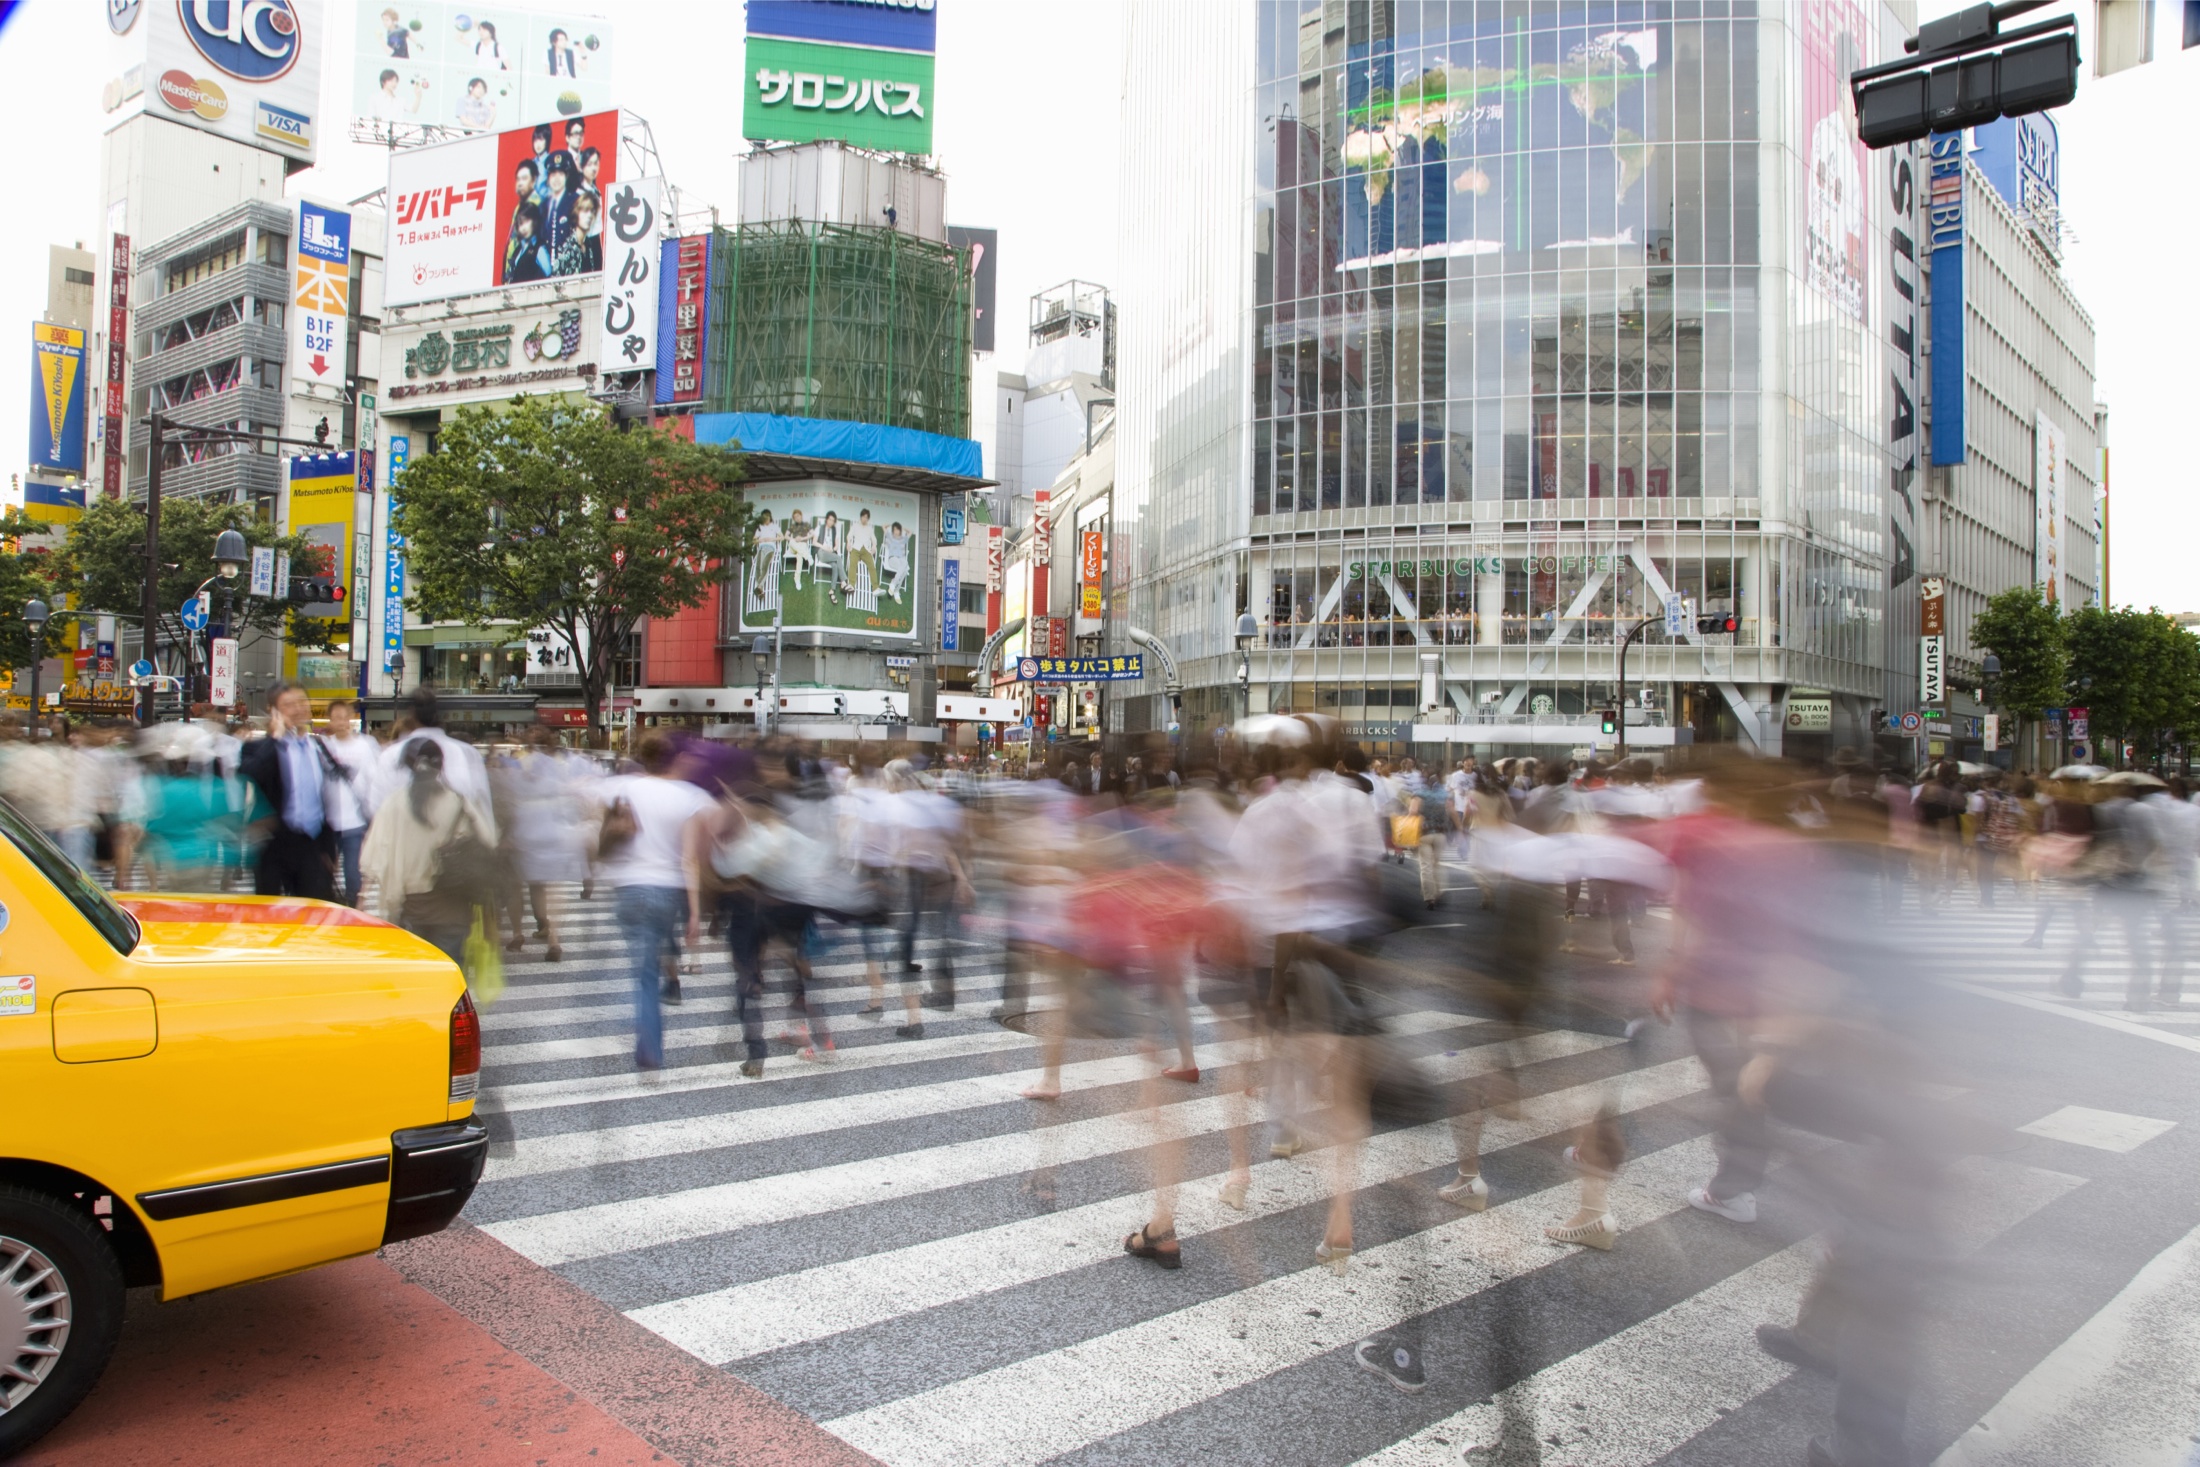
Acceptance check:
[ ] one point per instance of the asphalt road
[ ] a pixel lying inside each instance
(892, 1256)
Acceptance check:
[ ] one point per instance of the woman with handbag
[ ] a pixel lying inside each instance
(422, 851)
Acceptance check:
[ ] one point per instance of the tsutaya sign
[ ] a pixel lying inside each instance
(1932, 666)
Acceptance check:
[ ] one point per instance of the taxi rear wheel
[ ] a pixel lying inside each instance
(61, 1298)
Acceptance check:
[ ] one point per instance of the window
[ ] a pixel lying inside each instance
(74, 276)
(86, 895)
(973, 599)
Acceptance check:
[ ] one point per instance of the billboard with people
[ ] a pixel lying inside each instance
(502, 209)
(483, 70)
(833, 558)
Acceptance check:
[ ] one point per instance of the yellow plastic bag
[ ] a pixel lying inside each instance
(483, 964)
(1405, 831)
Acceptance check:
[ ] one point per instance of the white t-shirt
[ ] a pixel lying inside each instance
(351, 803)
(662, 809)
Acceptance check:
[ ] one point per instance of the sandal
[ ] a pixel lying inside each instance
(1598, 1232)
(1233, 1194)
(1142, 1245)
(1337, 1257)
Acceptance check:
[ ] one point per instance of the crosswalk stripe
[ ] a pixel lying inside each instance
(1063, 1400)
(651, 1221)
(968, 988)
(812, 1304)
(1701, 1353)
(524, 1095)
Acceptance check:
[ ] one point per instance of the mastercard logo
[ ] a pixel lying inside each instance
(186, 93)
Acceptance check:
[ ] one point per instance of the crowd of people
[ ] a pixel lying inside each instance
(1253, 886)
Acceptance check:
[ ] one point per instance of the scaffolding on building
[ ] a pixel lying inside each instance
(849, 323)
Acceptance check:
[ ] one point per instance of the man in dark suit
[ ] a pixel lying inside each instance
(291, 769)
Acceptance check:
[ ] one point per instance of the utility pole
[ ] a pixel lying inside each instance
(150, 606)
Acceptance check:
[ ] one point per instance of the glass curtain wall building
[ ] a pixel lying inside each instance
(1506, 322)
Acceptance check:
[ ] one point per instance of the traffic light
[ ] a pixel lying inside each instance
(1608, 721)
(1726, 623)
(1879, 720)
(1957, 79)
(315, 591)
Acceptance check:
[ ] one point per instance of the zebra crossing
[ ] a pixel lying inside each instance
(2028, 949)
(899, 1245)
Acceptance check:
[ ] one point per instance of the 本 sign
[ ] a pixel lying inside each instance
(1127, 668)
(630, 276)
(320, 297)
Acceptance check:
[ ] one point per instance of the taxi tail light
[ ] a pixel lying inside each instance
(465, 1049)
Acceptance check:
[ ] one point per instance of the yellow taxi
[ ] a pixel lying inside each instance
(200, 1091)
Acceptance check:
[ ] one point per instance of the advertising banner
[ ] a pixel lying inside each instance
(546, 347)
(502, 209)
(799, 91)
(950, 604)
(1944, 228)
(895, 25)
(985, 269)
(393, 565)
(1127, 668)
(222, 672)
(2022, 158)
(1089, 560)
(1836, 249)
(630, 287)
(246, 70)
(57, 399)
(482, 69)
(323, 505)
(833, 558)
(320, 299)
(683, 318)
(2047, 493)
(114, 450)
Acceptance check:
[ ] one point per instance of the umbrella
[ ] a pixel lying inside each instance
(2078, 771)
(2134, 777)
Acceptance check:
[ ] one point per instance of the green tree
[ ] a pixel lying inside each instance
(105, 562)
(550, 514)
(2137, 673)
(28, 570)
(2027, 634)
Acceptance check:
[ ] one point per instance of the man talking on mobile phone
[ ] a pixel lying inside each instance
(292, 769)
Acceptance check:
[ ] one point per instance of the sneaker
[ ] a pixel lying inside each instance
(1472, 1193)
(816, 1054)
(1635, 1028)
(1782, 1343)
(791, 1035)
(752, 1069)
(909, 1031)
(1741, 1207)
(1396, 1363)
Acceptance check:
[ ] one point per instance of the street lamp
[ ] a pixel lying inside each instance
(1247, 630)
(35, 616)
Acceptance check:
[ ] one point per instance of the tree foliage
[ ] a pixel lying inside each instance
(549, 514)
(2027, 634)
(104, 560)
(28, 570)
(2138, 675)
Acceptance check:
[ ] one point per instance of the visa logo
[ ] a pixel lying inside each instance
(284, 125)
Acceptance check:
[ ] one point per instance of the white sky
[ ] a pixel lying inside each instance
(1027, 126)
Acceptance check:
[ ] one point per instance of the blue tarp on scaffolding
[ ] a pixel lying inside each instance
(862, 443)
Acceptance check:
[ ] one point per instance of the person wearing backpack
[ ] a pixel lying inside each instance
(654, 830)
(423, 851)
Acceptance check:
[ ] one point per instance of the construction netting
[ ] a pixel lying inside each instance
(832, 321)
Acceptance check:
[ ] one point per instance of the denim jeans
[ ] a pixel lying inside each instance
(348, 843)
(649, 916)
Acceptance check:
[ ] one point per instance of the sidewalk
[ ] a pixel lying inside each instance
(362, 1362)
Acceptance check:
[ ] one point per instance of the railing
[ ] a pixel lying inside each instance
(1461, 631)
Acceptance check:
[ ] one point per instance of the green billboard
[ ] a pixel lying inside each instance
(799, 91)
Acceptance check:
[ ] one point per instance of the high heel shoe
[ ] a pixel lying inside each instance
(1472, 1193)
(1600, 1232)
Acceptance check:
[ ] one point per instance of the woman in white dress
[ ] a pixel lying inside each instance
(795, 546)
(764, 566)
(550, 825)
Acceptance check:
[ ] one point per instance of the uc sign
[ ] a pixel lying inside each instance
(252, 40)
